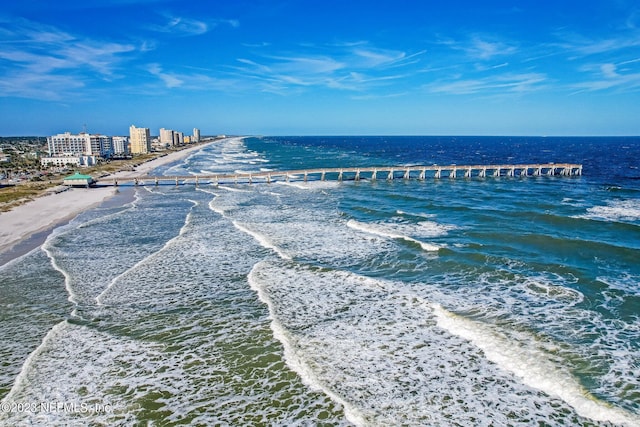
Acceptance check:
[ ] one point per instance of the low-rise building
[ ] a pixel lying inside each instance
(66, 161)
(78, 180)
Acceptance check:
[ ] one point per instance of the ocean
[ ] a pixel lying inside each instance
(498, 301)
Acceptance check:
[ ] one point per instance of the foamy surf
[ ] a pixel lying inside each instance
(310, 185)
(388, 232)
(100, 297)
(263, 240)
(293, 358)
(350, 326)
(376, 344)
(533, 366)
(618, 210)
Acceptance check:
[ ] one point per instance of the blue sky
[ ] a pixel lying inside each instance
(329, 67)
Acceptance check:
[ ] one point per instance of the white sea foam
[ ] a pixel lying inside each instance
(21, 379)
(616, 211)
(105, 218)
(533, 366)
(550, 305)
(416, 214)
(210, 330)
(376, 345)
(262, 239)
(373, 345)
(216, 209)
(294, 360)
(206, 190)
(19, 259)
(100, 297)
(310, 185)
(233, 189)
(73, 297)
(627, 283)
(386, 231)
(296, 229)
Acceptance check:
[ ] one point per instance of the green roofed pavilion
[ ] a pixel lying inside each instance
(78, 180)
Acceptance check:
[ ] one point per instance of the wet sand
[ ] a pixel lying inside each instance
(31, 222)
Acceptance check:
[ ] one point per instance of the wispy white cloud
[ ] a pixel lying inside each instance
(369, 97)
(481, 47)
(633, 20)
(351, 66)
(483, 67)
(580, 46)
(609, 76)
(302, 65)
(501, 83)
(602, 63)
(371, 57)
(38, 85)
(484, 49)
(44, 62)
(183, 26)
(195, 79)
(170, 80)
(377, 57)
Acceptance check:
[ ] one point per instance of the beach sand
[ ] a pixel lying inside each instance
(43, 213)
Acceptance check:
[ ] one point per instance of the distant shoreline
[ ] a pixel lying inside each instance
(43, 214)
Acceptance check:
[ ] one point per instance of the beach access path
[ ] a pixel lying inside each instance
(45, 212)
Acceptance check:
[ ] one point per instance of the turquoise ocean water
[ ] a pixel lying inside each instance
(452, 302)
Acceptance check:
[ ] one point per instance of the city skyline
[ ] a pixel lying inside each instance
(321, 68)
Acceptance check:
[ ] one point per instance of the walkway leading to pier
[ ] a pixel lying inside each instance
(361, 173)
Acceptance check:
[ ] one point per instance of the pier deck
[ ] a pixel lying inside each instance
(359, 173)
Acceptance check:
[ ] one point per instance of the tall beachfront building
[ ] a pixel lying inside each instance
(68, 144)
(120, 145)
(196, 135)
(166, 137)
(139, 140)
(178, 138)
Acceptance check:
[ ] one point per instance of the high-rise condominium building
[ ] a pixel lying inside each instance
(68, 144)
(196, 135)
(139, 140)
(166, 136)
(178, 138)
(120, 145)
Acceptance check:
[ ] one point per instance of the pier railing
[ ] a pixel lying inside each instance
(359, 173)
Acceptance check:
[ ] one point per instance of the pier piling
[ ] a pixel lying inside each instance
(340, 174)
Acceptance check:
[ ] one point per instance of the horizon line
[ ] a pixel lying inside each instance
(250, 135)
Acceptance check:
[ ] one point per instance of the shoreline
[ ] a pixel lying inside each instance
(25, 227)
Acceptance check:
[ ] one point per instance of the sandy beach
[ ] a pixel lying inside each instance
(45, 212)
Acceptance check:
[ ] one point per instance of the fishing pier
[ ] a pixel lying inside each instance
(356, 174)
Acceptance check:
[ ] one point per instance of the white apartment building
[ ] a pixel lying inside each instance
(178, 138)
(166, 137)
(62, 161)
(196, 135)
(101, 145)
(68, 144)
(140, 140)
(120, 145)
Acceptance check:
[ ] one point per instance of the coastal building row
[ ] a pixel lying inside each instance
(86, 149)
(169, 138)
